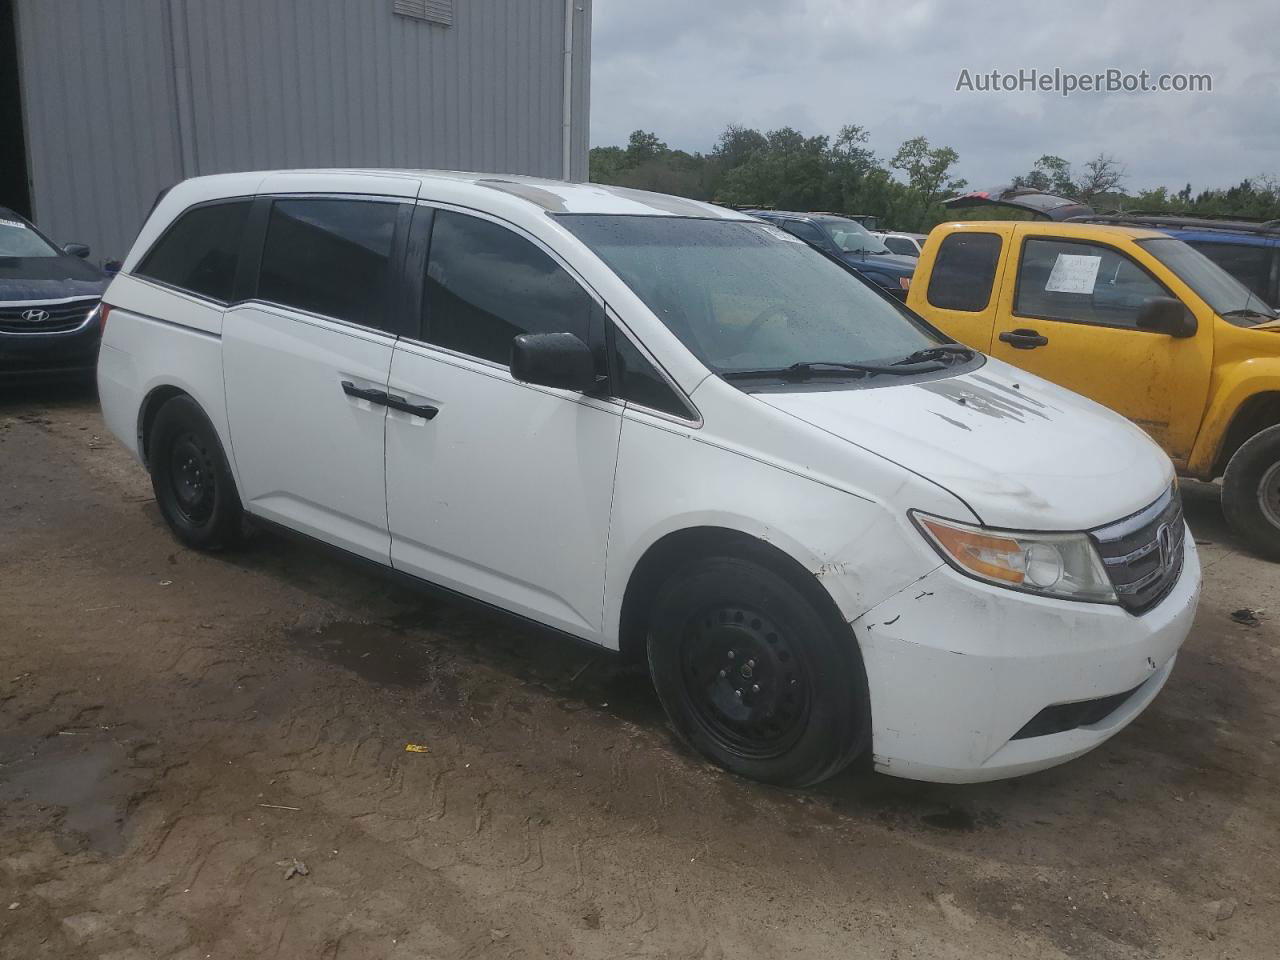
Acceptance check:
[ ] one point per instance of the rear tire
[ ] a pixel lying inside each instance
(754, 676)
(1251, 492)
(191, 477)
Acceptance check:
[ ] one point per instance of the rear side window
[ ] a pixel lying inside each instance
(199, 252)
(900, 245)
(640, 382)
(487, 285)
(331, 257)
(1248, 263)
(964, 272)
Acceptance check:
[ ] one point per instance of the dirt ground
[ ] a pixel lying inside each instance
(176, 730)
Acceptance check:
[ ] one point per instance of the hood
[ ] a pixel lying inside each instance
(1026, 199)
(49, 278)
(1023, 453)
(891, 263)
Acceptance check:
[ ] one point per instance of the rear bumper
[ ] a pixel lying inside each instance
(957, 669)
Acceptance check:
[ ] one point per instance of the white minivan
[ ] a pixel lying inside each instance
(668, 429)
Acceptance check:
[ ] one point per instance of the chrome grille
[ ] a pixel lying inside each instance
(1143, 553)
(62, 317)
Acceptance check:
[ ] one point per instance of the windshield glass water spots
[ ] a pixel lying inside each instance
(1224, 294)
(19, 240)
(741, 297)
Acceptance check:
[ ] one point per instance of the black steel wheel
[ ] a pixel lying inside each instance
(756, 673)
(191, 477)
(745, 681)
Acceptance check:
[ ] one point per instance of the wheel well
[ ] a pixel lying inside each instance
(156, 399)
(1260, 411)
(683, 546)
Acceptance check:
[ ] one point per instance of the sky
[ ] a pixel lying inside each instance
(684, 69)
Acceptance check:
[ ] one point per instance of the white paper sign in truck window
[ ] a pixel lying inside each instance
(1073, 273)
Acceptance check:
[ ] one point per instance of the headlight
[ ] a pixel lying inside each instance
(1053, 564)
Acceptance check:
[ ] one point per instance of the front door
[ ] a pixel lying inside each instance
(305, 363)
(1070, 317)
(499, 489)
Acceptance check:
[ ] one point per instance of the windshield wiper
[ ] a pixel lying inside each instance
(1250, 312)
(810, 368)
(942, 352)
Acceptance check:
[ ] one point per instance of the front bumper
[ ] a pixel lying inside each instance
(40, 356)
(956, 668)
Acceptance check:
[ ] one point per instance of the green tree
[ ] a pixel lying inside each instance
(928, 170)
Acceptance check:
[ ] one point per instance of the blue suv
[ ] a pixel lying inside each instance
(849, 241)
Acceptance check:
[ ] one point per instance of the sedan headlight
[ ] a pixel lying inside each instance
(1062, 565)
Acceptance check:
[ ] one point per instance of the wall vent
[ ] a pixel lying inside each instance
(433, 11)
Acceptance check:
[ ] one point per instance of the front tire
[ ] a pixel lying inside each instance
(191, 477)
(1251, 492)
(754, 676)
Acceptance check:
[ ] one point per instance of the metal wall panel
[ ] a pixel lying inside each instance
(125, 97)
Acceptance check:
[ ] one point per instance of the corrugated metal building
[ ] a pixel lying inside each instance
(121, 98)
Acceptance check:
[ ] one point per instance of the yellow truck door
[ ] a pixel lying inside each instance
(957, 279)
(1067, 310)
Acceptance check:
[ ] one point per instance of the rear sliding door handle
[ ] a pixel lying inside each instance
(365, 393)
(423, 410)
(1024, 339)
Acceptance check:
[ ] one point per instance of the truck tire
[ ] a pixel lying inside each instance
(753, 676)
(191, 477)
(1251, 492)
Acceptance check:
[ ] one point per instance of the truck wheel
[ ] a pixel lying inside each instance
(191, 477)
(1251, 492)
(753, 676)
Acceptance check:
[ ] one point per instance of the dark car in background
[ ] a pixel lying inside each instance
(1248, 250)
(851, 242)
(48, 304)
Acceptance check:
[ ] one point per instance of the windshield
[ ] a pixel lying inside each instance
(744, 295)
(1225, 295)
(19, 240)
(852, 237)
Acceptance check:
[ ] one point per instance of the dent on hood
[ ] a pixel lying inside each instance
(989, 397)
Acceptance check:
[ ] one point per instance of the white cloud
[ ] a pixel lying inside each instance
(686, 68)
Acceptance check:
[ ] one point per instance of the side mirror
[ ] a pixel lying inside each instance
(1168, 316)
(553, 360)
(80, 250)
(112, 266)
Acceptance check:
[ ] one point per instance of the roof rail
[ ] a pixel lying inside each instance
(1173, 221)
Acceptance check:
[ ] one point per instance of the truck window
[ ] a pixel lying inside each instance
(1082, 282)
(964, 272)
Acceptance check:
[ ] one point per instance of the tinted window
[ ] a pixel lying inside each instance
(1248, 264)
(1082, 282)
(640, 382)
(487, 285)
(806, 232)
(200, 250)
(331, 257)
(901, 245)
(964, 271)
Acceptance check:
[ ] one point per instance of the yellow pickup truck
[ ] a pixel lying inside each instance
(1135, 320)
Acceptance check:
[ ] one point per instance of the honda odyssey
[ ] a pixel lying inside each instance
(669, 429)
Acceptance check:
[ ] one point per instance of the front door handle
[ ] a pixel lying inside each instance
(423, 410)
(1024, 339)
(365, 393)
